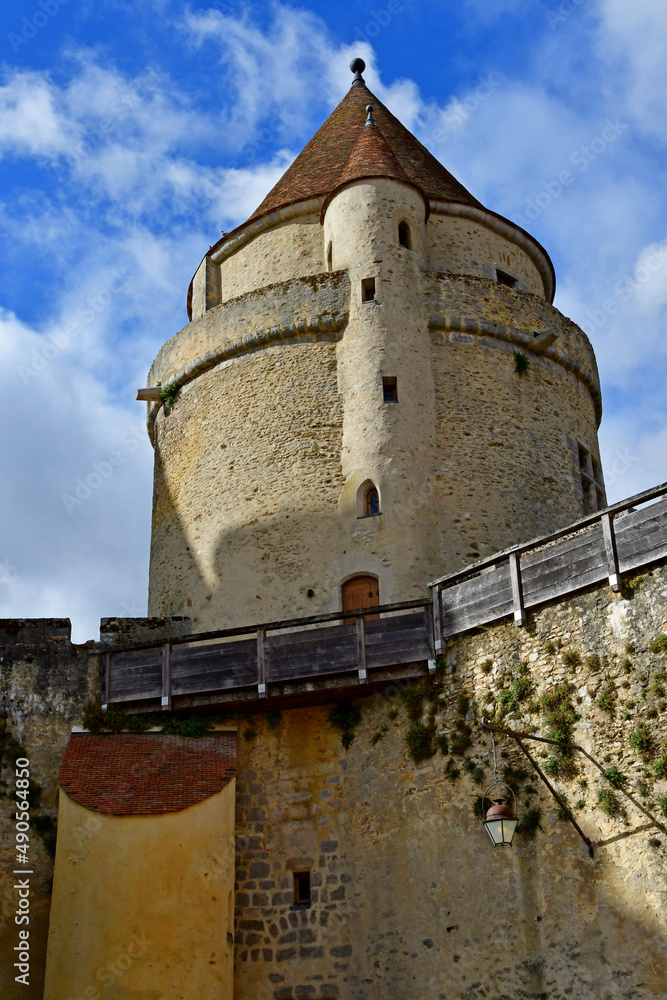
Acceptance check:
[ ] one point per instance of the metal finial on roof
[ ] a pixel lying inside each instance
(369, 112)
(358, 66)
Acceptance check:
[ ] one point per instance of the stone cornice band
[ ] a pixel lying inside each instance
(321, 328)
(233, 241)
(236, 239)
(525, 340)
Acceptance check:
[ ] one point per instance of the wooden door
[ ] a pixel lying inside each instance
(361, 592)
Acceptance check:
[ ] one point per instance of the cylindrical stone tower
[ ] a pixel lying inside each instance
(374, 390)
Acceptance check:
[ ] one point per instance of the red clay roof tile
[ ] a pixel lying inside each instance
(319, 167)
(371, 156)
(131, 774)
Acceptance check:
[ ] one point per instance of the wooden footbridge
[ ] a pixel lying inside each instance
(347, 653)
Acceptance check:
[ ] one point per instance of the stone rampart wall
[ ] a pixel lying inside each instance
(287, 251)
(409, 897)
(44, 682)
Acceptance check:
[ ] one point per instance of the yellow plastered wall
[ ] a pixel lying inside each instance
(143, 905)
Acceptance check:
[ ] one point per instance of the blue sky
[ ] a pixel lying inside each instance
(133, 133)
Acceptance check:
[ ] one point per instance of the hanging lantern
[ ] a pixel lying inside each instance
(501, 819)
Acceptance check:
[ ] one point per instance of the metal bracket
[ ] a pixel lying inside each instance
(519, 736)
(563, 806)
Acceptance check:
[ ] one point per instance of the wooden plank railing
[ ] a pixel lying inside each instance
(601, 546)
(271, 655)
(346, 648)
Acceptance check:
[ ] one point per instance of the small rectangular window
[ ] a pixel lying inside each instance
(302, 888)
(368, 290)
(503, 278)
(390, 390)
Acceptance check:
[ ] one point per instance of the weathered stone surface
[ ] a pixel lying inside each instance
(262, 463)
(431, 909)
(44, 682)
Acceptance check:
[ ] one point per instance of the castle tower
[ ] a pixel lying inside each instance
(374, 390)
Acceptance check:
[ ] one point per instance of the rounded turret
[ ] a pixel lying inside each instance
(374, 386)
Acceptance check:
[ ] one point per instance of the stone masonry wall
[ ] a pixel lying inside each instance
(517, 430)
(247, 471)
(262, 316)
(486, 300)
(409, 897)
(464, 247)
(287, 251)
(44, 682)
(275, 428)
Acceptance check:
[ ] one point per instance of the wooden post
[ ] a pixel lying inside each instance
(517, 593)
(166, 677)
(261, 661)
(361, 647)
(437, 619)
(610, 551)
(435, 639)
(106, 680)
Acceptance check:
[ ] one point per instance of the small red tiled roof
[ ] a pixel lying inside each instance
(131, 774)
(319, 167)
(372, 157)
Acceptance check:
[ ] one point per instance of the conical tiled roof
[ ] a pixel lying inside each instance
(320, 166)
(344, 149)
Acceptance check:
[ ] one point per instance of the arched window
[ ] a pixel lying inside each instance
(404, 235)
(371, 502)
(368, 499)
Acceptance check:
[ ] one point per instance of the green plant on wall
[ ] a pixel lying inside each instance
(606, 700)
(168, 394)
(115, 720)
(615, 778)
(519, 689)
(608, 803)
(530, 821)
(345, 717)
(521, 363)
(642, 740)
(420, 741)
(560, 717)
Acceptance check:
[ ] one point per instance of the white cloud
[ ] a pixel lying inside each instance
(30, 123)
(68, 557)
(633, 40)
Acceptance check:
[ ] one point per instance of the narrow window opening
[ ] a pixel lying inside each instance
(368, 290)
(592, 484)
(302, 889)
(368, 499)
(330, 256)
(404, 235)
(390, 390)
(503, 278)
(372, 502)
